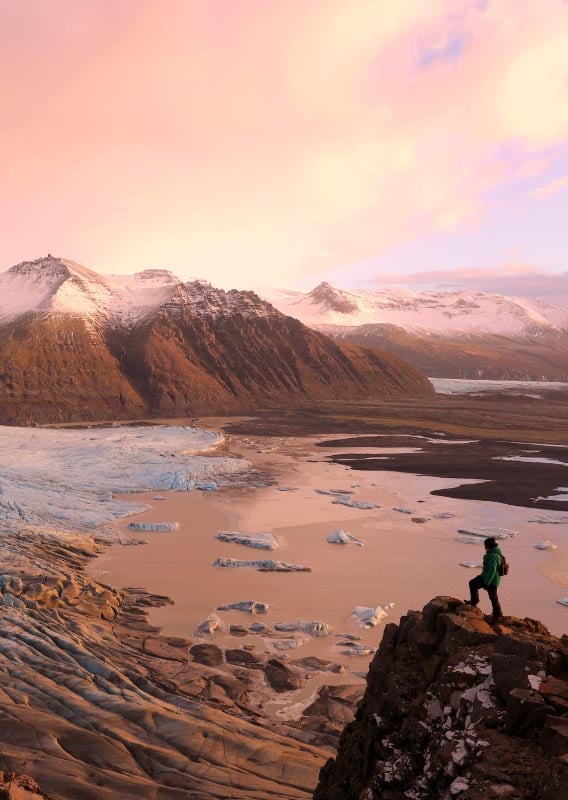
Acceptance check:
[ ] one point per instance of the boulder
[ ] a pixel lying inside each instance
(208, 654)
(280, 677)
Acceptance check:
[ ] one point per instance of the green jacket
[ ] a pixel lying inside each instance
(491, 563)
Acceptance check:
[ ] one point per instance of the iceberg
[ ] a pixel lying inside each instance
(369, 617)
(545, 545)
(315, 628)
(342, 537)
(343, 500)
(484, 533)
(250, 606)
(261, 541)
(263, 565)
(154, 526)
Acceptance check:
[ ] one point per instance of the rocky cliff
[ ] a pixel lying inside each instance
(458, 708)
(75, 345)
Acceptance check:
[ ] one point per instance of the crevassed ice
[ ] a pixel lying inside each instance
(67, 478)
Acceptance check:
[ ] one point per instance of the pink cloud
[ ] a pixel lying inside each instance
(551, 188)
(232, 139)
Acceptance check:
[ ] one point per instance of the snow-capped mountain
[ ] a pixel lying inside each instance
(78, 345)
(444, 313)
(460, 334)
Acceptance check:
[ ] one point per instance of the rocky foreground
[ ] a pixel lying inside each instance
(458, 708)
(95, 703)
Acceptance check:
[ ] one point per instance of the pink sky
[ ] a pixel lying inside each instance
(286, 142)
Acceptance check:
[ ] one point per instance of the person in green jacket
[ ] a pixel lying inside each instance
(489, 578)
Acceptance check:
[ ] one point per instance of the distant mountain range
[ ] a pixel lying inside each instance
(445, 334)
(77, 345)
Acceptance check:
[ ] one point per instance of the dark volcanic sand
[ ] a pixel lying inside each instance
(502, 425)
(518, 483)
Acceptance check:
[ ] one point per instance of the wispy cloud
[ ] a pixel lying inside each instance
(551, 188)
(228, 139)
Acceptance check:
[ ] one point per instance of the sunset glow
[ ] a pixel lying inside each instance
(286, 143)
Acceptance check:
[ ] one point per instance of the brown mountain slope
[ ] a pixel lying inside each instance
(543, 357)
(187, 364)
(181, 361)
(55, 368)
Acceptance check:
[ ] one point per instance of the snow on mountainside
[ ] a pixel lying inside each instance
(437, 312)
(59, 286)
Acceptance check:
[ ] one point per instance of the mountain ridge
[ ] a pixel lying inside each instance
(75, 345)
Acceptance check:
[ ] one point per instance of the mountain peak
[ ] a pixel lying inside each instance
(46, 267)
(333, 299)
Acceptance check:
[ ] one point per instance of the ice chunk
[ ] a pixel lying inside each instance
(484, 533)
(250, 606)
(343, 500)
(261, 541)
(263, 565)
(287, 488)
(546, 544)
(360, 650)
(159, 497)
(443, 515)
(471, 564)
(207, 486)
(154, 526)
(563, 601)
(403, 510)
(371, 616)
(546, 519)
(209, 626)
(315, 628)
(286, 644)
(342, 537)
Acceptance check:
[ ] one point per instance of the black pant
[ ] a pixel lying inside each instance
(475, 585)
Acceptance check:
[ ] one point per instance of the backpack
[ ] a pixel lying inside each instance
(503, 568)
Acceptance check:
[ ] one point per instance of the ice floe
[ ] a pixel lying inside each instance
(286, 644)
(546, 519)
(443, 515)
(260, 541)
(484, 533)
(343, 500)
(333, 491)
(545, 545)
(263, 565)
(471, 564)
(154, 526)
(287, 488)
(343, 537)
(531, 460)
(44, 480)
(359, 650)
(250, 606)
(371, 616)
(312, 628)
(403, 510)
(563, 601)
(209, 626)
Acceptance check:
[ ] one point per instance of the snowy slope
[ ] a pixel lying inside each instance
(59, 286)
(436, 312)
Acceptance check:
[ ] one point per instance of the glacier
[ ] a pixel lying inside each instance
(63, 478)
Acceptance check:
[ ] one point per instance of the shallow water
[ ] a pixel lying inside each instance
(402, 561)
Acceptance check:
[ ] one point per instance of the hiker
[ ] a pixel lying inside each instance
(489, 579)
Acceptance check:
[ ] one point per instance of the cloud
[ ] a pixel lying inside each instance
(513, 280)
(551, 188)
(232, 140)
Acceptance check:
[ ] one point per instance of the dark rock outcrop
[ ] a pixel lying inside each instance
(458, 708)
